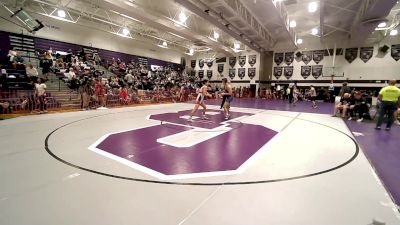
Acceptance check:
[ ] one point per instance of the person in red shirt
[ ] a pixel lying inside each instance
(100, 93)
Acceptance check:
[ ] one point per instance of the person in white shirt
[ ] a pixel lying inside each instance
(32, 73)
(313, 97)
(40, 89)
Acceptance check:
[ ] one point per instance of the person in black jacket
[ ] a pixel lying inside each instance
(358, 106)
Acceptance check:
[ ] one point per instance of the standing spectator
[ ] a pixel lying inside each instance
(389, 97)
(345, 89)
(99, 87)
(47, 63)
(313, 96)
(40, 89)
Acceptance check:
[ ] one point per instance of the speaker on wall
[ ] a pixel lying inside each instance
(384, 48)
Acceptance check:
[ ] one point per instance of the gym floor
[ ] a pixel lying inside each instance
(270, 163)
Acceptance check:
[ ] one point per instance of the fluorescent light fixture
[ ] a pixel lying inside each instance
(236, 45)
(393, 32)
(314, 31)
(382, 24)
(61, 13)
(125, 31)
(299, 41)
(216, 35)
(312, 7)
(293, 24)
(163, 44)
(190, 52)
(182, 17)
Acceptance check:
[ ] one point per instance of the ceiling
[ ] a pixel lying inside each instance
(260, 25)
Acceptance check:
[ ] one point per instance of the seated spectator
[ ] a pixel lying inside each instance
(358, 106)
(32, 73)
(343, 105)
(11, 54)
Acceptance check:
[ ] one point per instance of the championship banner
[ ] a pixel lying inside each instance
(242, 60)
(351, 54)
(209, 74)
(193, 63)
(318, 56)
(288, 71)
(232, 73)
(278, 58)
(210, 63)
(395, 52)
(289, 57)
(252, 60)
(242, 72)
(277, 72)
(317, 71)
(366, 53)
(201, 63)
(201, 74)
(305, 71)
(232, 61)
(306, 57)
(220, 68)
(251, 72)
(193, 73)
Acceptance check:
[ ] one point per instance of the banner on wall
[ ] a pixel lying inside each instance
(193, 73)
(318, 56)
(201, 63)
(366, 53)
(278, 58)
(288, 72)
(220, 68)
(251, 72)
(306, 57)
(351, 54)
(317, 71)
(242, 60)
(289, 57)
(232, 73)
(193, 63)
(252, 60)
(209, 74)
(305, 71)
(201, 74)
(277, 72)
(210, 63)
(395, 52)
(232, 61)
(241, 72)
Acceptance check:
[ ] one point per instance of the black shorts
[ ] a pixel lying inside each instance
(313, 98)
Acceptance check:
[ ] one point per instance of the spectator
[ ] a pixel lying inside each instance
(32, 73)
(343, 105)
(390, 98)
(40, 91)
(345, 89)
(358, 106)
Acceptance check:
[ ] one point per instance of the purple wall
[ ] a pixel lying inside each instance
(4, 44)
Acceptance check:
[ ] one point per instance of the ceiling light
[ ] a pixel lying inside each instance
(236, 45)
(61, 13)
(312, 7)
(215, 35)
(393, 32)
(182, 17)
(191, 51)
(314, 31)
(293, 23)
(164, 43)
(299, 41)
(382, 24)
(125, 31)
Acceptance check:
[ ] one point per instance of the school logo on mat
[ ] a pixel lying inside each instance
(175, 148)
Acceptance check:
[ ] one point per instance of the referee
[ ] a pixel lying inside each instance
(389, 97)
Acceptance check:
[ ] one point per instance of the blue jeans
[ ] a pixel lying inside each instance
(388, 108)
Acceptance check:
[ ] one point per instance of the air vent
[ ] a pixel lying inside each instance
(290, 2)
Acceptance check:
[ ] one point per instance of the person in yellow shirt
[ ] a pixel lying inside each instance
(389, 97)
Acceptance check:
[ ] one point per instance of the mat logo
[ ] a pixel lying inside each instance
(176, 148)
